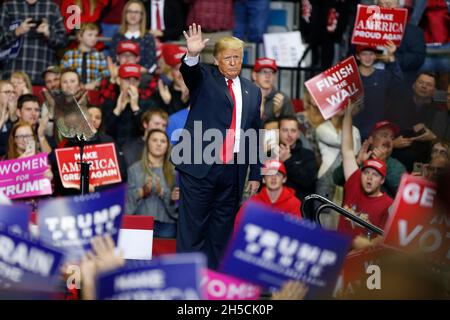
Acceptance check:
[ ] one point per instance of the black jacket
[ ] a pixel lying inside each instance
(301, 170)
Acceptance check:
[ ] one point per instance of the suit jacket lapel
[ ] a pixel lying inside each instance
(220, 79)
(245, 103)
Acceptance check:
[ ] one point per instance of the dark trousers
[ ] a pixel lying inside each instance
(207, 211)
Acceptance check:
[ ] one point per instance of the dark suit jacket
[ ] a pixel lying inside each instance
(175, 12)
(211, 103)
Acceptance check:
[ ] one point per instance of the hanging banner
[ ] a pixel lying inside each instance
(25, 177)
(332, 88)
(271, 248)
(68, 224)
(104, 167)
(172, 277)
(374, 26)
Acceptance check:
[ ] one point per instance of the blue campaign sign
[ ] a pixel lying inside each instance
(15, 218)
(27, 265)
(270, 248)
(13, 51)
(68, 224)
(171, 277)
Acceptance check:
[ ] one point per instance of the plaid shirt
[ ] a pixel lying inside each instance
(37, 52)
(97, 67)
(110, 91)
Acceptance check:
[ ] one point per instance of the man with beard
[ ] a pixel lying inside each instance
(379, 146)
(362, 189)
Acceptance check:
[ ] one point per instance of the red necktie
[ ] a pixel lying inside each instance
(228, 144)
(158, 17)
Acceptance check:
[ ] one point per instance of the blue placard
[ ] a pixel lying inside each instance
(270, 248)
(171, 277)
(68, 224)
(13, 51)
(28, 265)
(15, 218)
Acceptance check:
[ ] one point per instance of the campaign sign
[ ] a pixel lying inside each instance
(68, 224)
(219, 286)
(171, 277)
(27, 265)
(25, 177)
(15, 218)
(357, 269)
(416, 224)
(374, 26)
(104, 167)
(270, 248)
(13, 51)
(332, 88)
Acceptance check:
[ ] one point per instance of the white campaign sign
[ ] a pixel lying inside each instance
(286, 48)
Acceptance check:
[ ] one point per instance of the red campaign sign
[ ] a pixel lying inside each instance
(103, 169)
(355, 270)
(332, 88)
(374, 26)
(415, 223)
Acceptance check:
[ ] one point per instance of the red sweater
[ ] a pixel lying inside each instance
(287, 203)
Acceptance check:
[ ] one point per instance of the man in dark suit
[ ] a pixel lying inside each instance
(222, 104)
(166, 19)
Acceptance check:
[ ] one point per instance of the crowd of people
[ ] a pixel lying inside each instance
(135, 96)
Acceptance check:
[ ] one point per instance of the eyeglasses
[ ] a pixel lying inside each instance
(23, 137)
(7, 92)
(134, 12)
(443, 152)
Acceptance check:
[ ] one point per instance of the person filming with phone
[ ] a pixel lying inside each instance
(41, 32)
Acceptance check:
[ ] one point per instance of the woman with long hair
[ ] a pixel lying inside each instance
(22, 141)
(152, 188)
(133, 27)
(21, 83)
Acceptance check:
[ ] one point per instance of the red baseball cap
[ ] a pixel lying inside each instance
(360, 48)
(272, 166)
(130, 70)
(376, 164)
(172, 54)
(262, 63)
(386, 124)
(128, 46)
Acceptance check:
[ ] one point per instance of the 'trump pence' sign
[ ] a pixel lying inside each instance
(374, 26)
(415, 223)
(103, 169)
(271, 248)
(331, 89)
(172, 277)
(70, 223)
(27, 265)
(25, 177)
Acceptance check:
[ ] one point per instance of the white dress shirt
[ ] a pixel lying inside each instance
(154, 5)
(192, 61)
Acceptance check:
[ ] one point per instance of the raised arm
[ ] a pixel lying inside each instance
(194, 40)
(348, 154)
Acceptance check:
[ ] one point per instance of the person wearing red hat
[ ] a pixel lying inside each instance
(274, 193)
(172, 94)
(127, 52)
(362, 189)
(275, 103)
(123, 115)
(379, 145)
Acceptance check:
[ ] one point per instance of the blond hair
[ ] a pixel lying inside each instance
(22, 75)
(228, 43)
(86, 27)
(123, 24)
